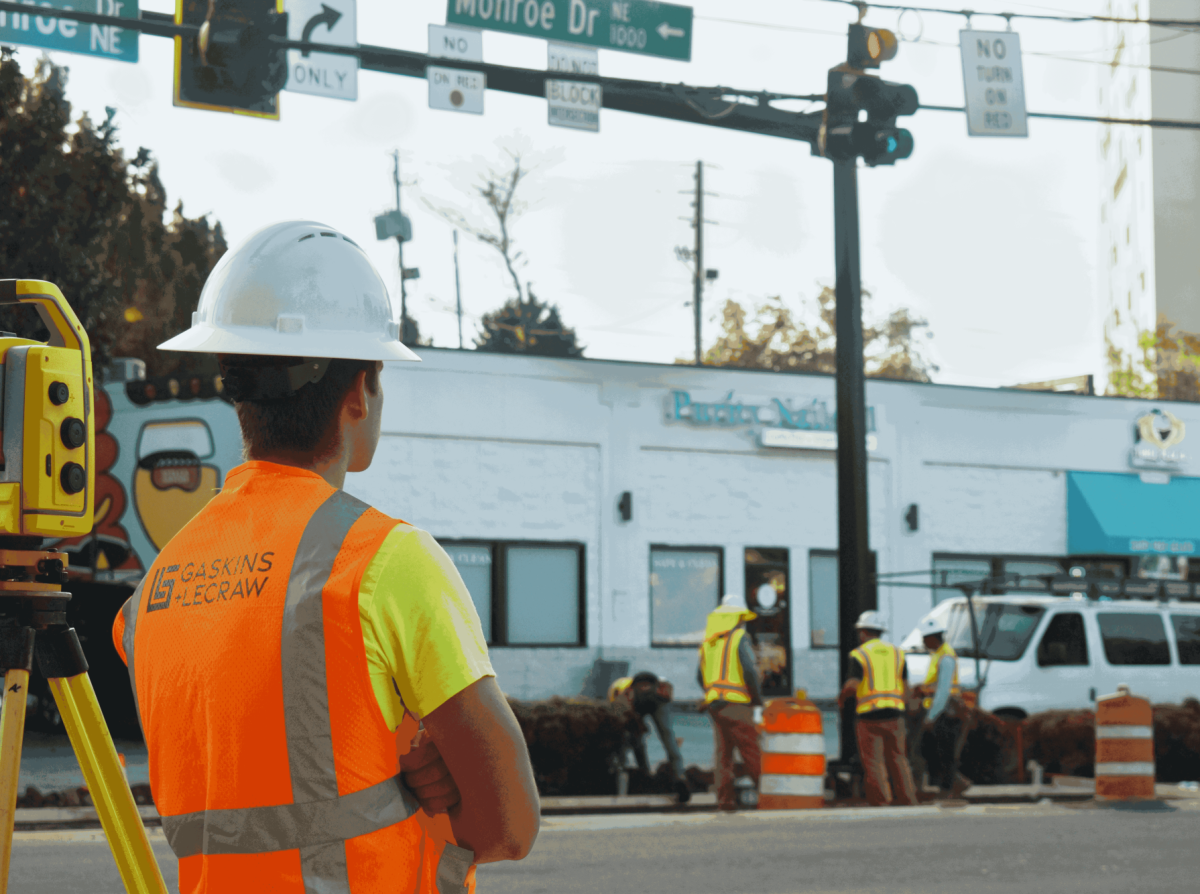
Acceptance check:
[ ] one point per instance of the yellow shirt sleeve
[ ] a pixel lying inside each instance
(422, 634)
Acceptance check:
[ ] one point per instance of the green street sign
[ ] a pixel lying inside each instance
(632, 26)
(107, 41)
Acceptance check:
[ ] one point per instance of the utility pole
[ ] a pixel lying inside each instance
(698, 255)
(400, 251)
(457, 292)
(855, 587)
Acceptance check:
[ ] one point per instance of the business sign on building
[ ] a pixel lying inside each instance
(1156, 439)
(776, 422)
(51, 33)
(993, 83)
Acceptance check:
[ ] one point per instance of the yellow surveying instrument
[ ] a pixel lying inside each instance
(47, 487)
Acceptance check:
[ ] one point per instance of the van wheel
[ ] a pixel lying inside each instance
(1013, 715)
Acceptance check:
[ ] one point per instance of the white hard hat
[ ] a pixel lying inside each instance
(295, 289)
(932, 627)
(734, 600)
(870, 620)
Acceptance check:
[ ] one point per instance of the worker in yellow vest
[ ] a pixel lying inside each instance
(944, 711)
(645, 695)
(729, 676)
(879, 683)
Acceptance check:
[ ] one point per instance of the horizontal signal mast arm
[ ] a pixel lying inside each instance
(680, 102)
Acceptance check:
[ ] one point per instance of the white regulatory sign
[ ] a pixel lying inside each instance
(448, 42)
(574, 104)
(323, 74)
(993, 83)
(455, 90)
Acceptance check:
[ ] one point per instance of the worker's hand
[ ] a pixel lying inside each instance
(425, 774)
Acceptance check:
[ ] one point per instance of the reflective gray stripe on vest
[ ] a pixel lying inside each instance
(256, 830)
(453, 866)
(130, 610)
(318, 821)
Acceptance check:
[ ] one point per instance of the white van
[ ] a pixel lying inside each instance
(1041, 653)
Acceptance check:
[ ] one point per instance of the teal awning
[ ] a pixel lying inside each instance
(1115, 514)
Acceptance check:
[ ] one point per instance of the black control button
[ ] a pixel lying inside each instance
(73, 478)
(73, 432)
(59, 393)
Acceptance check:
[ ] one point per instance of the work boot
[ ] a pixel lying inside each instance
(961, 784)
(682, 791)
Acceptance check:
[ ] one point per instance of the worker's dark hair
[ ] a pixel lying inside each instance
(302, 423)
(644, 677)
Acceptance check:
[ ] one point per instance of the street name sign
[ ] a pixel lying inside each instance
(631, 26)
(574, 104)
(455, 90)
(323, 74)
(993, 83)
(464, 44)
(107, 41)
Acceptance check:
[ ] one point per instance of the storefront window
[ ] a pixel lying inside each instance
(542, 595)
(948, 572)
(685, 585)
(823, 599)
(474, 564)
(1133, 638)
(526, 594)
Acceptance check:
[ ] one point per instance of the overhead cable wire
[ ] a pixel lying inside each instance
(1099, 119)
(1190, 24)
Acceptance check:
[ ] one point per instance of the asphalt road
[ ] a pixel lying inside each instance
(1053, 849)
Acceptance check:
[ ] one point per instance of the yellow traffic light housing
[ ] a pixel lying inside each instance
(868, 47)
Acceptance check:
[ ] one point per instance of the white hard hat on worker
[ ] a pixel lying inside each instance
(295, 289)
(870, 620)
(932, 627)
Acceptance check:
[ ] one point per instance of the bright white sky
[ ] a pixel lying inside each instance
(993, 240)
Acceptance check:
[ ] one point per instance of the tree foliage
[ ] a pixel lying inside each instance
(1165, 366)
(777, 339)
(79, 214)
(527, 326)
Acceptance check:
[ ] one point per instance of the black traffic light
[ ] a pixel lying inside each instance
(233, 65)
(861, 109)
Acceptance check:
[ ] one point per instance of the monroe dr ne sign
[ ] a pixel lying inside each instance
(778, 423)
(108, 41)
(632, 26)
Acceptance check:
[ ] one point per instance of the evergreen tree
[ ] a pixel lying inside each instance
(527, 326)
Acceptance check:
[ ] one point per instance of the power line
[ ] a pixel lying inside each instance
(1188, 24)
(1100, 119)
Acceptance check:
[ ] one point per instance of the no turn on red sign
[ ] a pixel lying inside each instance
(993, 83)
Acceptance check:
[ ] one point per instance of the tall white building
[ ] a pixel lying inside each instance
(1149, 266)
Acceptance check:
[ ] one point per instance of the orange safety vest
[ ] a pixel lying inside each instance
(270, 761)
(882, 685)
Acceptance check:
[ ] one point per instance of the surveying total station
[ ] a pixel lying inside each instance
(47, 489)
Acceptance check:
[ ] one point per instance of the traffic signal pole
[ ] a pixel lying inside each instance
(400, 253)
(854, 584)
(698, 258)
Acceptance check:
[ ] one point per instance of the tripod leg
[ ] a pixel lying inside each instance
(110, 793)
(12, 731)
(16, 646)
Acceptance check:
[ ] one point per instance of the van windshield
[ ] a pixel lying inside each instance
(1004, 630)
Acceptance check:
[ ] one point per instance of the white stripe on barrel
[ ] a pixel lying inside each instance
(794, 743)
(1127, 768)
(1124, 732)
(813, 786)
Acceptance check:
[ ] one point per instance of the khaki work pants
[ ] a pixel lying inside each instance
(887, 776)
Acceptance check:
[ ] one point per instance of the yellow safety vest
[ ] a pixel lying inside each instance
(882, 685)
(931, 675)
(719, 664)
(618, 688)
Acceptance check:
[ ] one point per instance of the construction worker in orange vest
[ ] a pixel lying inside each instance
(310, 673)
(879, 683)
(944, 709)
(732, 697)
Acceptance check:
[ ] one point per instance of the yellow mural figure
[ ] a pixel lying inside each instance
(172, 482)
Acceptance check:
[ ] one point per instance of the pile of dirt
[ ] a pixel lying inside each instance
(989, 755)
(574, 744)
(1177, 741)
(1062, 741)
(74, 797)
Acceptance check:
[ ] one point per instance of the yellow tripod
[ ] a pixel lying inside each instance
(33, 623)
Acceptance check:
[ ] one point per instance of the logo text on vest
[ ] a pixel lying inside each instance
(204, 583)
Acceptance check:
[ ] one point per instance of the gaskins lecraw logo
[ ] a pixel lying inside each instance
(1156, 439)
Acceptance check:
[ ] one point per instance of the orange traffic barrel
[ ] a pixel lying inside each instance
(1124, 747)
(793, 755)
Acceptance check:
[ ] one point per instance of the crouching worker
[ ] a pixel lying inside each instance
(281, 638)
(645, 695)
(729, 676)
